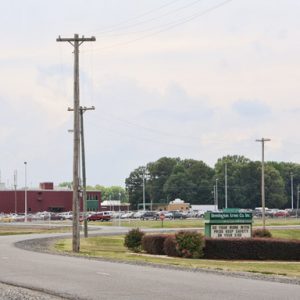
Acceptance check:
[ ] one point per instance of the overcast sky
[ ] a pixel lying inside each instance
(182, 78)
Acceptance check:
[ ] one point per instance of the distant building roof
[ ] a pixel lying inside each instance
(177, 201)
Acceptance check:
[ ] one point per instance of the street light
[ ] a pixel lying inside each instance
(217, 204)
(297, 207)
(144, 192)
(119, 209)
(262, 141)
(292, 191)
(25, 165)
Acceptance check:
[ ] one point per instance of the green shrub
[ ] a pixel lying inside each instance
(252, 248)
(261, 233)
(133, 240)
(189, 244)
(154, 243)
(170, 246)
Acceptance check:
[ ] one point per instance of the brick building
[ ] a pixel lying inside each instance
(46, 198)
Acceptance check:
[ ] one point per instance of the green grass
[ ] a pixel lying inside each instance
(153, 224)
(286, 234)
(111, 247)
(14, 230)
(189, 223)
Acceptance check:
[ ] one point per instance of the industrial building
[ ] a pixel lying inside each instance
(45, 198)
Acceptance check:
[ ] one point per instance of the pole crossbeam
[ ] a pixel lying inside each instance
(76, 41)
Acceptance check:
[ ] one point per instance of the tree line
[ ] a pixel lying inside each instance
(107, 192)
(193, 181)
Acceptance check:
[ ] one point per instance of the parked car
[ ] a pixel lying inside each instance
(149, 215)
(177, 215)
(138, 214)
(100, 216)
(68, 215)
(281, 213)
(127, 215)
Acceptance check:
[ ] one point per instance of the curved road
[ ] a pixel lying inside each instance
(79, 278)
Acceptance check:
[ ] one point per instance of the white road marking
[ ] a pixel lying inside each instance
(4, 257)
(104, 274)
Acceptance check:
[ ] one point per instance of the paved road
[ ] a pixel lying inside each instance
(79, 278)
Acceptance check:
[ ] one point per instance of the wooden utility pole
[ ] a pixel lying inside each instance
(76, 41)
(85, 225)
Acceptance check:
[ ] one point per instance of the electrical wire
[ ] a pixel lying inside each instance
(155, 142)
(109, 28)
(167, 28)
(153, 19)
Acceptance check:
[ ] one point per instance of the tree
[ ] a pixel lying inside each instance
(179, 185)
(200, 177)
(275, 188)
(134, 187)
(68, 184)
(159, 173)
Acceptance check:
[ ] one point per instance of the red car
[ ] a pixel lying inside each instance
(101, 216)
(281, 213)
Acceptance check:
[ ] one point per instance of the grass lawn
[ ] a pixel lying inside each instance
(189, 223)
(111, 247)
(13, 230)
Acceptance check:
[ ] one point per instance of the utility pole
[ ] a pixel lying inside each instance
(292, 190)
(15, 186)
(76, 41)
(84, 204)
(83, 169)
(226, 201)
(263, 204)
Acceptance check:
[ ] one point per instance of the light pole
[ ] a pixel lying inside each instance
(144, 192)
(297, 201)
(292, 190)
(226, 200)
(25, 165)
(214, 193)
(15, 185)
(119, 209)
(217, 204)
(262, 141)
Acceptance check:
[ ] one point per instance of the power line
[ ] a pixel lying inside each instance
(167, 28)
(136, 17)
(122, 134)
(153, 19)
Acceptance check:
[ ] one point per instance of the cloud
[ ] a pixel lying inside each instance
(251, 108)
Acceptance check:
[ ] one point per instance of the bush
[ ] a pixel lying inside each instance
(133, 240)
(254, 248)
(170, 246)
(261, 233)
(154, 243)
(189, 244)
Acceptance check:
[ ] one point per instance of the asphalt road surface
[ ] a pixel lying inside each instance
(79, 278)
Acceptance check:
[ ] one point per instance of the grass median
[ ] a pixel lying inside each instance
(111, 247)
(187, 223)
(31, 229)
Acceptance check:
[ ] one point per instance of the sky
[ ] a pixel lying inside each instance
(178, 78)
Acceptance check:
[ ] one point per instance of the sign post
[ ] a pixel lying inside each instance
(228, 224)
(162, 217)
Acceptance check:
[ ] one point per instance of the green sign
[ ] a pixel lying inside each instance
(228, 216)
(228, 224)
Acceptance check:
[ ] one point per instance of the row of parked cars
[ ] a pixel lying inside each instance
(276, 213)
